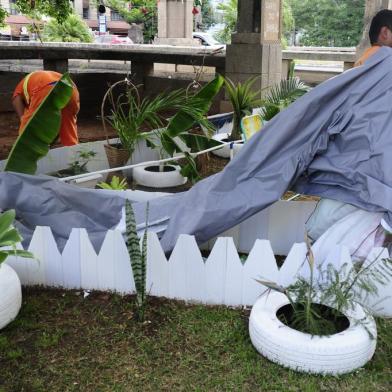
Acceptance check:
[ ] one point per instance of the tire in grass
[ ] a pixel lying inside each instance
(339, 353)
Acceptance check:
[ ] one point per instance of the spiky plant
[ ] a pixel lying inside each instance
(138, 258)
(243, 99)
(282, 95)
(115, 184)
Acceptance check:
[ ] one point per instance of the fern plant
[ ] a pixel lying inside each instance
(138, 258)
(115, 184)
(281, 96)
(243, 99)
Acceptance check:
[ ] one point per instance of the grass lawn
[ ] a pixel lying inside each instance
(63, 342)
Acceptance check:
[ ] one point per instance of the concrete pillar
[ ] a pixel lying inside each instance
(175, 22)
(78, 7)
(60, 65)
(371, 8)
(255, 49)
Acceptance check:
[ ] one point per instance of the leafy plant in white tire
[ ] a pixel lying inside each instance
(10, 288)
(316, 325)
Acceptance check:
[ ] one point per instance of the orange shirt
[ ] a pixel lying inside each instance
(39, 85)
(366, 54)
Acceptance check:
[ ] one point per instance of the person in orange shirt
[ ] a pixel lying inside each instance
(380, 34)
(32, 90)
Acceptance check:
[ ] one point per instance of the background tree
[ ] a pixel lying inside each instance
(57, 9)
(208, 15)
(137, 11)
(3, 15)
(328, 22)
(229, 14)
(72, 29)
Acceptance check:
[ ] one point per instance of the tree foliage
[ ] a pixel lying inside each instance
(140, 11)
(328, 22)
(3, 15)
(208, 16)
(229, 11)
(73, 29)
(57, 9)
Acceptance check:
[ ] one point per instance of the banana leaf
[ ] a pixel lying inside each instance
(183, 121)
(41, 130)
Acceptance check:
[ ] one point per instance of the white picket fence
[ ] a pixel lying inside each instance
(222, 278)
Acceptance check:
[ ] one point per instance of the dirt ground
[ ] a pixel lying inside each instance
(90, 129)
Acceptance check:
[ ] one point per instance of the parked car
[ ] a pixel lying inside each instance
(206, 39)
(112, 39)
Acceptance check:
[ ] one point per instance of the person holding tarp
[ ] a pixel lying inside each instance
(32, 90)
(380, 34)
(329, 212)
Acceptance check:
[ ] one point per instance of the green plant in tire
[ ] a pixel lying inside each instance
(317, 306)
(244, 98)
(176, 138)
(41, 130)
(138, 258)
(10, 237)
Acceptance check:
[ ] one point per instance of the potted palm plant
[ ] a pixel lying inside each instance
(131, 116)
(10, 288)
(316, 325)
(176, 138)
(243, 99)
(280, 96)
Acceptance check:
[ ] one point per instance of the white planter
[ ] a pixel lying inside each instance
(224, 152)
(10, 295)
(146, 176)
(336, 354)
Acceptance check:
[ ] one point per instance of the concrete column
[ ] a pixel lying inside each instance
(255, 50)
(371, 8)
(175, 22)
(60, 66)
(78, 7)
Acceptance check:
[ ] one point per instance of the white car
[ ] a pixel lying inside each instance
(206, 39)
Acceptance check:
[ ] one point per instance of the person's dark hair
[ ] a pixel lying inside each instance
(381, 19)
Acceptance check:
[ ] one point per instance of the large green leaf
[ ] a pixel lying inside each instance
(183, 121)
(41, 130)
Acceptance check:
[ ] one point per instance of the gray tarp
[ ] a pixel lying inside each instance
(45, 201)
(335, 141)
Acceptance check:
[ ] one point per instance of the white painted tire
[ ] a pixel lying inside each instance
(336, 354)
(10, 295)
(224, 152)
(158, 179)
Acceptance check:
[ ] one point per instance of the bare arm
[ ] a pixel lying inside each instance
(19, 106)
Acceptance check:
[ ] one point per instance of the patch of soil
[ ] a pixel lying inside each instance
(330, 322)
(89, 129)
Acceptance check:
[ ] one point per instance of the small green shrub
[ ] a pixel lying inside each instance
(115, 184)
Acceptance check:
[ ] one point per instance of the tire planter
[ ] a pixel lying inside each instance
(11, 295)
(224, 152)
(150, 176)
(335, 354)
